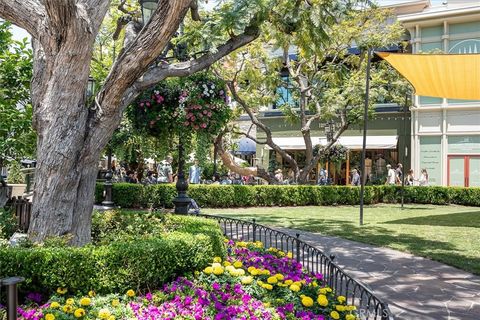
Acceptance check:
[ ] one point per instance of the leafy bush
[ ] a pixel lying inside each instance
(117, 261)
(15, 176)
(8, 224)
(221, 196)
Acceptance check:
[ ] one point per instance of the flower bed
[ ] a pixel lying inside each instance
(250, 283)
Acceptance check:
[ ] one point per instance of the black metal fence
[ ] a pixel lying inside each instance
(369, 306)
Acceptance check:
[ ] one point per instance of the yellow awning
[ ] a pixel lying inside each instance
(454, 76)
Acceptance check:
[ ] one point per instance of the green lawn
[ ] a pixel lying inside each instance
(450, 234)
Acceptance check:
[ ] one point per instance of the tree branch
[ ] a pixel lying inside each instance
(187, 68)
(27, 14)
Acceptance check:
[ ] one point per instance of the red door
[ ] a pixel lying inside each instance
(464, 171)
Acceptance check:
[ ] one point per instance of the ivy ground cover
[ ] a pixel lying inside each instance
(250, 282)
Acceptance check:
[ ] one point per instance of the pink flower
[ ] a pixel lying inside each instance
(192, 118)
(147, 104)
(205, 111)
(141, 104)
(195, 127)
(200, 115)
(186, 123)
(203, 125)
(189, 115)
(209, 114)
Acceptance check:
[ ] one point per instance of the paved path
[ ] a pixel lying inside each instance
(415, 288)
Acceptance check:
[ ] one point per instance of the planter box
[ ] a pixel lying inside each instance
(18, 189)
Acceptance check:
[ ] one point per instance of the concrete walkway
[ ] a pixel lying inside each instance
(415, 288)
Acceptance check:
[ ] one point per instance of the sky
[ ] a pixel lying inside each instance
(19, 33)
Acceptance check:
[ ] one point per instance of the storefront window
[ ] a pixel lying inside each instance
(431, 158)
(464, 144)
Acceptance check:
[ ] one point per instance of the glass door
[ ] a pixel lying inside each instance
(464, 171)
(456, 171)
(474, 171)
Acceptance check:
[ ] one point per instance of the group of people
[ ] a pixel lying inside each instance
(395, 176)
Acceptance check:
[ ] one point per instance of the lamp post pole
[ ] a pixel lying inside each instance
(108, 185)
(182, 201)
(363, 177)
(405, 108)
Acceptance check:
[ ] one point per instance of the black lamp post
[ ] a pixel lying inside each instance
(182, 201)
(108, 185)
(148, 7)
(329, 130)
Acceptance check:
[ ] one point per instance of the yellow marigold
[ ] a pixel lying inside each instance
(314, 284)
(229, 268)
(49, 316)
(70, 301)
(104, 314)
(208, 270)
(254, 272)
(340, 308)
(260, 282)
(322, 300)
(266, 304)
(54, 305)
(226, 263)
(341, 299)
(115, 303)
(289, 254)
(281, 284)
(298, 283)
(288, 282)
(238, 264)
(218, 270)
(294, 288)
(350, 308)
(272, 280)
(350, 317)
(67, 308)
(281, 253)
(79, 313)
(62, 290)
(112, 317)
(216, 264)
(130, 293)
(307, 301)
(334, 315)
(247, 280)
(217, 259)
(328, 289)
(266, 272)
(241, 244)
(85, 301)
(91, 293)
(279, 276)
(267, 286)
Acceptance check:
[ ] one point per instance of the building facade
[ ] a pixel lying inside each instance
(445, 132)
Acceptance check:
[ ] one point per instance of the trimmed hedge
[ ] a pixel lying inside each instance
(222, 196)
(146, 261)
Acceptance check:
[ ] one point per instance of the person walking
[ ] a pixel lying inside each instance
(399, 174)
(391, 176)
(279, 176)
(164, 170)
(409, 179)
(423, 181)
(355, 178)
(194, 173)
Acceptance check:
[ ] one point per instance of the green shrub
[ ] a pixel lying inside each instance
(221, 196)
(122, 261)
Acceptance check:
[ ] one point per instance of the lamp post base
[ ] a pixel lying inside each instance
(182, 201)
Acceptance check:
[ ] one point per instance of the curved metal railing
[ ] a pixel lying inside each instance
(369, 306)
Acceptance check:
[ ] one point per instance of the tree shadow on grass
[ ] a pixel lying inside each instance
(459, 219)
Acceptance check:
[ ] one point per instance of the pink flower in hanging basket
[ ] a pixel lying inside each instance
(203, 125)
(209, 114)
(142, 104)
(205, 111)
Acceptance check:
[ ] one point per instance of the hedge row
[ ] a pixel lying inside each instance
(218, 196)
(139, 263)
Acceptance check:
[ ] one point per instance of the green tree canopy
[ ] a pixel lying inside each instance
(17, 138)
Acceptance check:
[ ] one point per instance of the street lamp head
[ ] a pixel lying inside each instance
(148, 7)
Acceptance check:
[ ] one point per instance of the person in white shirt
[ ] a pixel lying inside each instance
(391, 176)
(423, 181)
